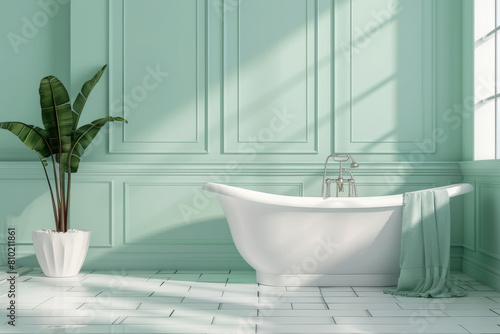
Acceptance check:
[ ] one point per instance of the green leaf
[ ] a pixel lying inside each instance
(42, 159)
(83, 137)
(57, 115)
(33, 137)
(82, 97)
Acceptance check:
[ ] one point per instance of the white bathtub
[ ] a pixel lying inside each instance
(311, 241)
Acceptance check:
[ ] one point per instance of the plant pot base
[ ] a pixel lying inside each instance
(61, 254)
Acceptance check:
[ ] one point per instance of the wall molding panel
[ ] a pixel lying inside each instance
(267, 109)
(166, 207)
(141, 85)
(487, 218)
(368, 110)
(29, 208)
(182, 213)
(102, 200)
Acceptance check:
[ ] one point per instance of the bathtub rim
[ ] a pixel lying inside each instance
(319, 202)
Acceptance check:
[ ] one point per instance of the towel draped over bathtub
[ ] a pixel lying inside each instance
(425, 246)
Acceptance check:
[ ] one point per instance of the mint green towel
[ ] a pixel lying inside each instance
(425, 246)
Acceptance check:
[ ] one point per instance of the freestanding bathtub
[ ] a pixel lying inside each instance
(311, 241)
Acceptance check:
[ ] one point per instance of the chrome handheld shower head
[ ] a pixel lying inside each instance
(340, 158)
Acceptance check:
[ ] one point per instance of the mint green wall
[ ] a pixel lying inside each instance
(481, 257)
(254, 93)
(34, 43)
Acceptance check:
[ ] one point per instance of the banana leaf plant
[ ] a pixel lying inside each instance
(61, 140)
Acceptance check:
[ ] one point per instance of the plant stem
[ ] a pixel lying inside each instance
(56, 185)
(64, 223)
(69, 187)
(61, 170)
(56, 181)
(54, 207)
(57, 216)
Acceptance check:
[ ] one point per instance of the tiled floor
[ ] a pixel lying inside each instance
(232, 302)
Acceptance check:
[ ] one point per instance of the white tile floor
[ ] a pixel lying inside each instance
(232, 302)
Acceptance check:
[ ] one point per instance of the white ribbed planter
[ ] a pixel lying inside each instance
(61, 254)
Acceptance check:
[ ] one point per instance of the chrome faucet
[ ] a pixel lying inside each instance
(340, 181)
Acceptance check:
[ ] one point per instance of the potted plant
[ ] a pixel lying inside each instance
(60, 252)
